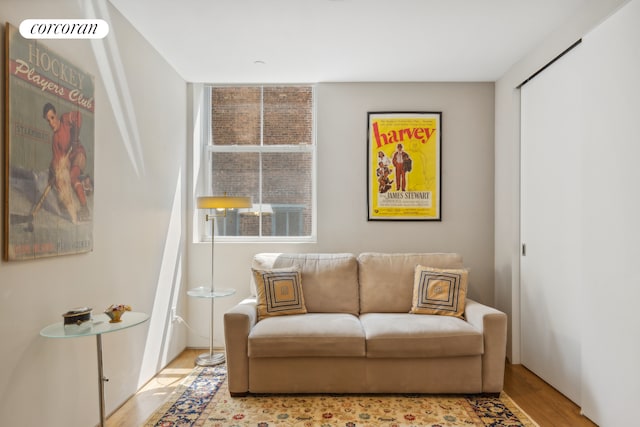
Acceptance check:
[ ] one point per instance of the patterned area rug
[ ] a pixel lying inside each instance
(203, 400)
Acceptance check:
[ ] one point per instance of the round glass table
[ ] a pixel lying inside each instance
(210, 359)
(98, 325)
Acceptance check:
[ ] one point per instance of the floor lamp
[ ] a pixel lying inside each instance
(216, 203)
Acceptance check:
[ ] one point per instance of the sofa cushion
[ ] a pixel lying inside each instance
(386, 280)
(329, 281)
(279, 292)
(439, 291)
(413, 335)
(308, 335)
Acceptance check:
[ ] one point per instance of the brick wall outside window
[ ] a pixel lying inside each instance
(264, 116)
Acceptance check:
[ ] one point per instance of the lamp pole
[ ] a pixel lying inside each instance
(210, 359)
(215, 202)
(213, 300)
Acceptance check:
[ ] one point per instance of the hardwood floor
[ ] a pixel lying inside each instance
(135, 411)
(547, 406)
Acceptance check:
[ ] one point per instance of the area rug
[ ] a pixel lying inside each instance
(203, 400)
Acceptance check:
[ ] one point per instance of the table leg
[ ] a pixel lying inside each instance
(101, 379)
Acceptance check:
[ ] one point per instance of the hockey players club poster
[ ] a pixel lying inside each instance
(49, 152)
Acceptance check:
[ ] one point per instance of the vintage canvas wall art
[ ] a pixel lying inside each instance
(403, 166)
(49, 152)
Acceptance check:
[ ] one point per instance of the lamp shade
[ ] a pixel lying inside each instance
(223, 202)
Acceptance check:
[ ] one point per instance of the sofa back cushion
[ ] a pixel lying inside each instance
(329, 281)
(386, 280)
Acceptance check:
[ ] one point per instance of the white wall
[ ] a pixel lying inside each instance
(467, 186)
(138, 237)
(610, 226)
(507, 158)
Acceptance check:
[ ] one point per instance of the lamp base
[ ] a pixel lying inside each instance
(209, 359)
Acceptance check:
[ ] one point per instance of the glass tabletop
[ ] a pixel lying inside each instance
(206, 292)
(99, 324)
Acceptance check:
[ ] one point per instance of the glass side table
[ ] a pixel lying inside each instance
(100, 324)
(210, 359)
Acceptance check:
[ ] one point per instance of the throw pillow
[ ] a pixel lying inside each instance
(439, 291)
(279, 292)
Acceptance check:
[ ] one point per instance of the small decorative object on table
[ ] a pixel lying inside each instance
(115, 312)
(77, 316)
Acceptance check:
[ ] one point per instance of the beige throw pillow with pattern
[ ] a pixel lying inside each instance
(439, 291)
(279, 292)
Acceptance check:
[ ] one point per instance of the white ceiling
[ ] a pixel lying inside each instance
(307, 41)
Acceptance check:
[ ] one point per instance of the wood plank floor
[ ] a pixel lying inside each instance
(546, 405)
(542, 402)
(135, 411)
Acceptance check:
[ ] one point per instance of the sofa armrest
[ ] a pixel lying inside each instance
(238, 322)
(493, 325)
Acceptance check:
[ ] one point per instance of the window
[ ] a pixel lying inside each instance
(259, 141)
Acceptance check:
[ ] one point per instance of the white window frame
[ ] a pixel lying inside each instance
(203, 176)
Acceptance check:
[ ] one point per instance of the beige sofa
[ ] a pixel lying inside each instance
(358, 335)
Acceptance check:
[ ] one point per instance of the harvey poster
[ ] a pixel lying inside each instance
(49, 152)
(403, 166)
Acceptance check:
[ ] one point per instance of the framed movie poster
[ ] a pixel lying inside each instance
(403, 166)
(49, 152)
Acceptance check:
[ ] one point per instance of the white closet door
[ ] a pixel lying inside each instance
(550, 225)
